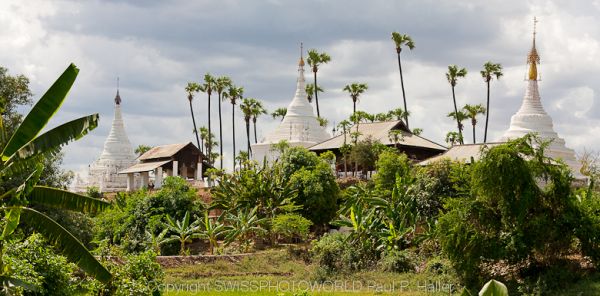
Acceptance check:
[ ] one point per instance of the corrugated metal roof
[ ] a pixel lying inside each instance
(163, 151)
(461, 153)
(144, 167)
(379, 131)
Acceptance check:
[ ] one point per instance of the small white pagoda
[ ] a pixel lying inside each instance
(299, 127)
(116, 156)
(532, 118)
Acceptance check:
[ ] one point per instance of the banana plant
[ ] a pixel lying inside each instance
(243, 226)
(211, 230)
(155, 241)
(25, 149)
(183, 231)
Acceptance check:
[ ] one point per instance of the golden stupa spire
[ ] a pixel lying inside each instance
(533, 59)
(301, 62)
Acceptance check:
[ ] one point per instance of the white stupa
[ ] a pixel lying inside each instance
(299, 127)
(532, 117)
(116, 156)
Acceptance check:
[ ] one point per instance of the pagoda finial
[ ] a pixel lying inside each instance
(118, 97)
(301, 62)
(533, 59)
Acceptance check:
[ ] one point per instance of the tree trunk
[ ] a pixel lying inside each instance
(473, 123)
(403, 93)
(220, 134)
(209, 140)
(233, 130)
(456, 116)
(487, 114)
(254, 121)
(345, 167)
(195, 129)
(248, 136)
(316, 94)
(182, 250)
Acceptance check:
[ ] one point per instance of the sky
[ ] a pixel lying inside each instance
(157, 47)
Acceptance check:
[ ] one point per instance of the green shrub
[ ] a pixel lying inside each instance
(390, 165)
(334, 253)
(398, 261)
(291, 226)
(33, 262)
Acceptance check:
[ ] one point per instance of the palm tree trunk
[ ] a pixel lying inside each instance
(248, 136)
(487, 114)
(195, 129)
(316, 94)
(345, 167)
(233, 130)
(403, 93)
(209, 140)
(456, 116)
(220, 134)
(254, 121)
(473, 133)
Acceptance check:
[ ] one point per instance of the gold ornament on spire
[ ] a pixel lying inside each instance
(301, 62)
(533, 59)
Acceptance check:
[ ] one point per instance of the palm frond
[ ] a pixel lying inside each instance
(59, 136)
(63, 199)
(70, 246)
(41, 113)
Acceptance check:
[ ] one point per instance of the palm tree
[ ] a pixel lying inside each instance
(208, 87)
(141, 149)
(257, 110)
(459, 117)
(310, 91)
(489, 71)
(279, 112)
(472, 111)
(211, 230)
(417, 131)
(345, 126)
(234, 93)
(183, 231)
(203, 136)
(355, 90)
(221, 84)
(24, 154)
(383, 116)
(398, 114)
(315, 59)
(395, 136)
(246, 107)
(402, 40)
(453, 138)
(191, 88)
(452, 76)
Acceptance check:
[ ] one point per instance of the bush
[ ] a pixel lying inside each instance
(390, 165)
(140, 275)
(398, 261)
(291, 226)
(33, 262)
(334, 254)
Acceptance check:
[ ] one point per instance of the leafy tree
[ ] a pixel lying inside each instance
(24, 152)
(401, 40)
(141, 149)
(472, 111)
(191, 88)
(364, 154)
(207, 87)
(183, 231)
(452, 76)
(390, 164)
(279, 112)
(14, 92)
(221, 84)
(315, 60)
(290, 226)
(489, 71)
(310, 90)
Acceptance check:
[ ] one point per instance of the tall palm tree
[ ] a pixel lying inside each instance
(489, 71)
(310, 91)
(208, 87)
(402, 40)
(355, 90)
(279, 112)
(315, 59)
(257, 110)
(24, 154)
(452, 76)
(233, 94)
(203, 136)
(472, 111)
(221, 83)
(191, 88)
(246, 107)
(344, 125)
(459, 116)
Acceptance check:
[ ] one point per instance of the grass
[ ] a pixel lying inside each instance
(274, 272)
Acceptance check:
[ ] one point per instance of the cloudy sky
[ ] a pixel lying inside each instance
(156, 47)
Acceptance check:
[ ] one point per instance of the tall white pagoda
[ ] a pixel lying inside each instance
(116, 156)
(299, 127)
(532, 117)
